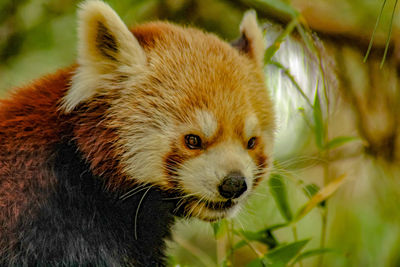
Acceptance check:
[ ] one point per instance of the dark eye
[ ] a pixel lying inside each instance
(193, 141)
(251, 143)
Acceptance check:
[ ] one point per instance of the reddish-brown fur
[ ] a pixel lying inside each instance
(29, 124)
(101, 129)
(30, 119)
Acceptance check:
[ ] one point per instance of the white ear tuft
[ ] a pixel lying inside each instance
(105, 47)
(251, 41)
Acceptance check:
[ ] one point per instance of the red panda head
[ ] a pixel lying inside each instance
(191, 111)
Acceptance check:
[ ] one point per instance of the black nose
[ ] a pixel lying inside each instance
(233, 185)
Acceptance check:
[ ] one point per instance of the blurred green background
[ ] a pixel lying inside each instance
(337, 116)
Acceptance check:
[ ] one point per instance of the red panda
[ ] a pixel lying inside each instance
(157, 122)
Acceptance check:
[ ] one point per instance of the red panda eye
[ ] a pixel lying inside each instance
(251, 143)
(193, 141)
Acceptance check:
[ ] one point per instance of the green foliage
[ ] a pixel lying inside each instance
(340, 141)
(313, 252)
(378, 20)
(280, 256)
(264, 236)
(281, 7)
(220, 228)
(311, 189)
(319, 129)
(286, 71)
(272, 49)
(285, 253)
(278, 191)
(389, 35)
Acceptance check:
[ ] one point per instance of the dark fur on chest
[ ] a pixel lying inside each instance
(82, 223)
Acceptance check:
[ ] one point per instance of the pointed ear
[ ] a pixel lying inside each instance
(106, 49)
(251, 41)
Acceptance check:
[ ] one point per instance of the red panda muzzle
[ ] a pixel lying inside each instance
(233, 185)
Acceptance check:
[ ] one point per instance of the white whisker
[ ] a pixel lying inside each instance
(137, 210)
(134, 192)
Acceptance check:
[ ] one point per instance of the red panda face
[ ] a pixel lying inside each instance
(192, 112)
(195, 128)
(214, 167)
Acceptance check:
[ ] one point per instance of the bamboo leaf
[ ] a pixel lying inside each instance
(264, 236)
(239, 244)
(271, 50)
(389, 35)
(277, 5)
(269, 239)
(339, 141)
(309, 42)
(284, 254)
(286, 71)
(251, 236)
(256, 263)
(276, 226)
(278, 190)
(314, 252)
(311, 189)
(322, 195)
(318, 121)
(220, 228)
(371, 41)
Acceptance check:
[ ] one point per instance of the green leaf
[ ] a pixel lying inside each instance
(278, 190)
(256, 263)
(280, 6)
(314, 252)
(264, 236)
(276, 226)
(271, 50)
(220, 228)
(286, 71)
(239, 244)
(389, 35)
(371, 41)
(320, 196)
(311, 189)
(318, 121)
(339, 141)
(306, 36)
(270, 240)
(249, 235)
(262, 263)
(284, 254)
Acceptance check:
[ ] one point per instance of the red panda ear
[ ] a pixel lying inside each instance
(106, 49)
(251, 41)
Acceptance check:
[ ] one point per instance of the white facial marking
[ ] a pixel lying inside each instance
(250, 126)
(208, 123)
